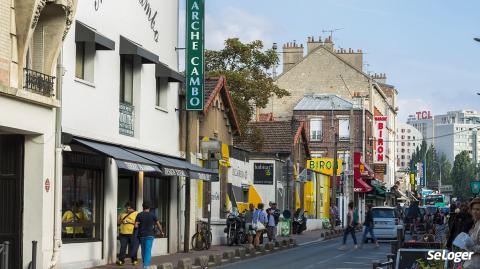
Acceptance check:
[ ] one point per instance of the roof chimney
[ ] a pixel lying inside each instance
(312, 44)
(292, 55)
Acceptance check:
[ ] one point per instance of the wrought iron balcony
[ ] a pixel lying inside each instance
(37, 82)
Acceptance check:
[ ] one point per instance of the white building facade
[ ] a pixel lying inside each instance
(457, 131)
(408, 139)
(120, 92)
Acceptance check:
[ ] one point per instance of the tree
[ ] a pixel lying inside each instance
(245, 66)
(463, 172)
(446, 167)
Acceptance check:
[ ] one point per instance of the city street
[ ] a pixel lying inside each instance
(324, 254)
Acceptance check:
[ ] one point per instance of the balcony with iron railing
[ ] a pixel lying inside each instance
(38, 82)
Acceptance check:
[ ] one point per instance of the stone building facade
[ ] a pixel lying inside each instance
(327, 70)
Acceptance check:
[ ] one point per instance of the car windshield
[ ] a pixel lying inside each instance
(383, 213)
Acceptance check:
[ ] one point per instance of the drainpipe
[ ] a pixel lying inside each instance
(57, 234)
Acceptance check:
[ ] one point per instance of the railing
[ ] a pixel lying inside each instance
(4, 255)
(37, 82)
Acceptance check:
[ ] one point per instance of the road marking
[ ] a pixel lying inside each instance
(333, 258)
(358, 263)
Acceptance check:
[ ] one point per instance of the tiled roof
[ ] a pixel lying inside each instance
(278, 136)
(218, 85)
(323, 102)
(266, 117)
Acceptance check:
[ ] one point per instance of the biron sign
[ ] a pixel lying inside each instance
(380, 123)
(195, 54)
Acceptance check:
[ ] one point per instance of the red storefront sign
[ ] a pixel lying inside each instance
(380, 147)
(360, 170)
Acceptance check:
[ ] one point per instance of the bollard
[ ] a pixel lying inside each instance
(393, 258)
(399, 237)
(34, 254)
(376, 264)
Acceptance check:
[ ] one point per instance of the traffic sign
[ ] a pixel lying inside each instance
(446, 188)
(475, 187)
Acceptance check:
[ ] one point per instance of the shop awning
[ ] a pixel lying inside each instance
(176, 167)
(85, 33)
(361, 186)
(124, 159)
(129, 47)
(368, 171)
(379, 190)
(163, 71)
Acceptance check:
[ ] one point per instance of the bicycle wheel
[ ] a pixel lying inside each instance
(197, 241)
(208, 240)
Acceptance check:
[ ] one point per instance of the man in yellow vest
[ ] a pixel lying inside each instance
(128, 234)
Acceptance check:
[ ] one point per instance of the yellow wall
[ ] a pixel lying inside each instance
(309, 197)
(200, 194)
(326, 196)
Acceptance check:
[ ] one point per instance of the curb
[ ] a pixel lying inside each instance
(230, 256)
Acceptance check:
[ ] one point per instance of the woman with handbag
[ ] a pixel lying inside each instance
(259, 223)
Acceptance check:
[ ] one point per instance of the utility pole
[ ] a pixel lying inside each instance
(186, 239)
(335, 168)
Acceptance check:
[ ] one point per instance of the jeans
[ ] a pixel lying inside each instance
(349, 230)
(367, 230)
(130, 241)
(146, 244)
(272, 233)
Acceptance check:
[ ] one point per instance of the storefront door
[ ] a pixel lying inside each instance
(11, 190)
(127, 192)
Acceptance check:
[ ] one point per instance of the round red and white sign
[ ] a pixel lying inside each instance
(47, 185)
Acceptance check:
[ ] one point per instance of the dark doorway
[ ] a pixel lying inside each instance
(11, 195)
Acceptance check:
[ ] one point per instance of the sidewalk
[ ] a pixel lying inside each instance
(304, 238)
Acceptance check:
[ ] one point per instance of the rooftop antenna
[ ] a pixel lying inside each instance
(332, 31)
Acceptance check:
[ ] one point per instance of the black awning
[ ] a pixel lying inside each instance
(85, 33)
(172, 166)
(128, 47)
(163, 71)
(125, 159)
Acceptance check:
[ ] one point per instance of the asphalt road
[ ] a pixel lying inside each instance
(324, 254)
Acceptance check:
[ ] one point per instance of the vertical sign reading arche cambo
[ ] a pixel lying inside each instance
(195, 48)
(380, 123)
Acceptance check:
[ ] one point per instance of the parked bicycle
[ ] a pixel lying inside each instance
(202, 239)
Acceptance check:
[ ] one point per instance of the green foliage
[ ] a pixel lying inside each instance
(436, 166)
(463, 172)
(245, 66)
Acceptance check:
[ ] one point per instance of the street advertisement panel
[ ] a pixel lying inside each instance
(380, 134)
(194, 66)
(263, 173)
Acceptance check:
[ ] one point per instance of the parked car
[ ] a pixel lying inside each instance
(386, 221)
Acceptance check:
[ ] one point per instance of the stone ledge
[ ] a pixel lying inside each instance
(30, 97)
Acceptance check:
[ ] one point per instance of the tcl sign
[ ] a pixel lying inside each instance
(423, 115)
(380, 123)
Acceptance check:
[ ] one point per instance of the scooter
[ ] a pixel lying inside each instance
(299, 223)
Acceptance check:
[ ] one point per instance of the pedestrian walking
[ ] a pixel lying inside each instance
(128, 235)
(474, 262)
(146, 222)
(368, 224)
(249, 223)
(462, 222)
(259, 223)
(350, 229)
(333, 216)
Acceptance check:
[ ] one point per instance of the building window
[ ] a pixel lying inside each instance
(156, 191)
(162, 93)
(316, 129)
(403, 130)
(343, 129)
(403, 143)
(84, 59)
(126, 79)
(403, 150)
(81, 204)
(403, 164)
(403, 157)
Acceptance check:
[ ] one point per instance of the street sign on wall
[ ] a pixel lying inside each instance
(194, 66)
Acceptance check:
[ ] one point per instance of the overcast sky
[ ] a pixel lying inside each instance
(425, 47)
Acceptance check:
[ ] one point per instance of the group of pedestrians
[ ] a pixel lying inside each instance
(137, 229)
(352, 224)
(259, 221)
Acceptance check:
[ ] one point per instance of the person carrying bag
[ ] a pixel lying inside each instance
(259, 222)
